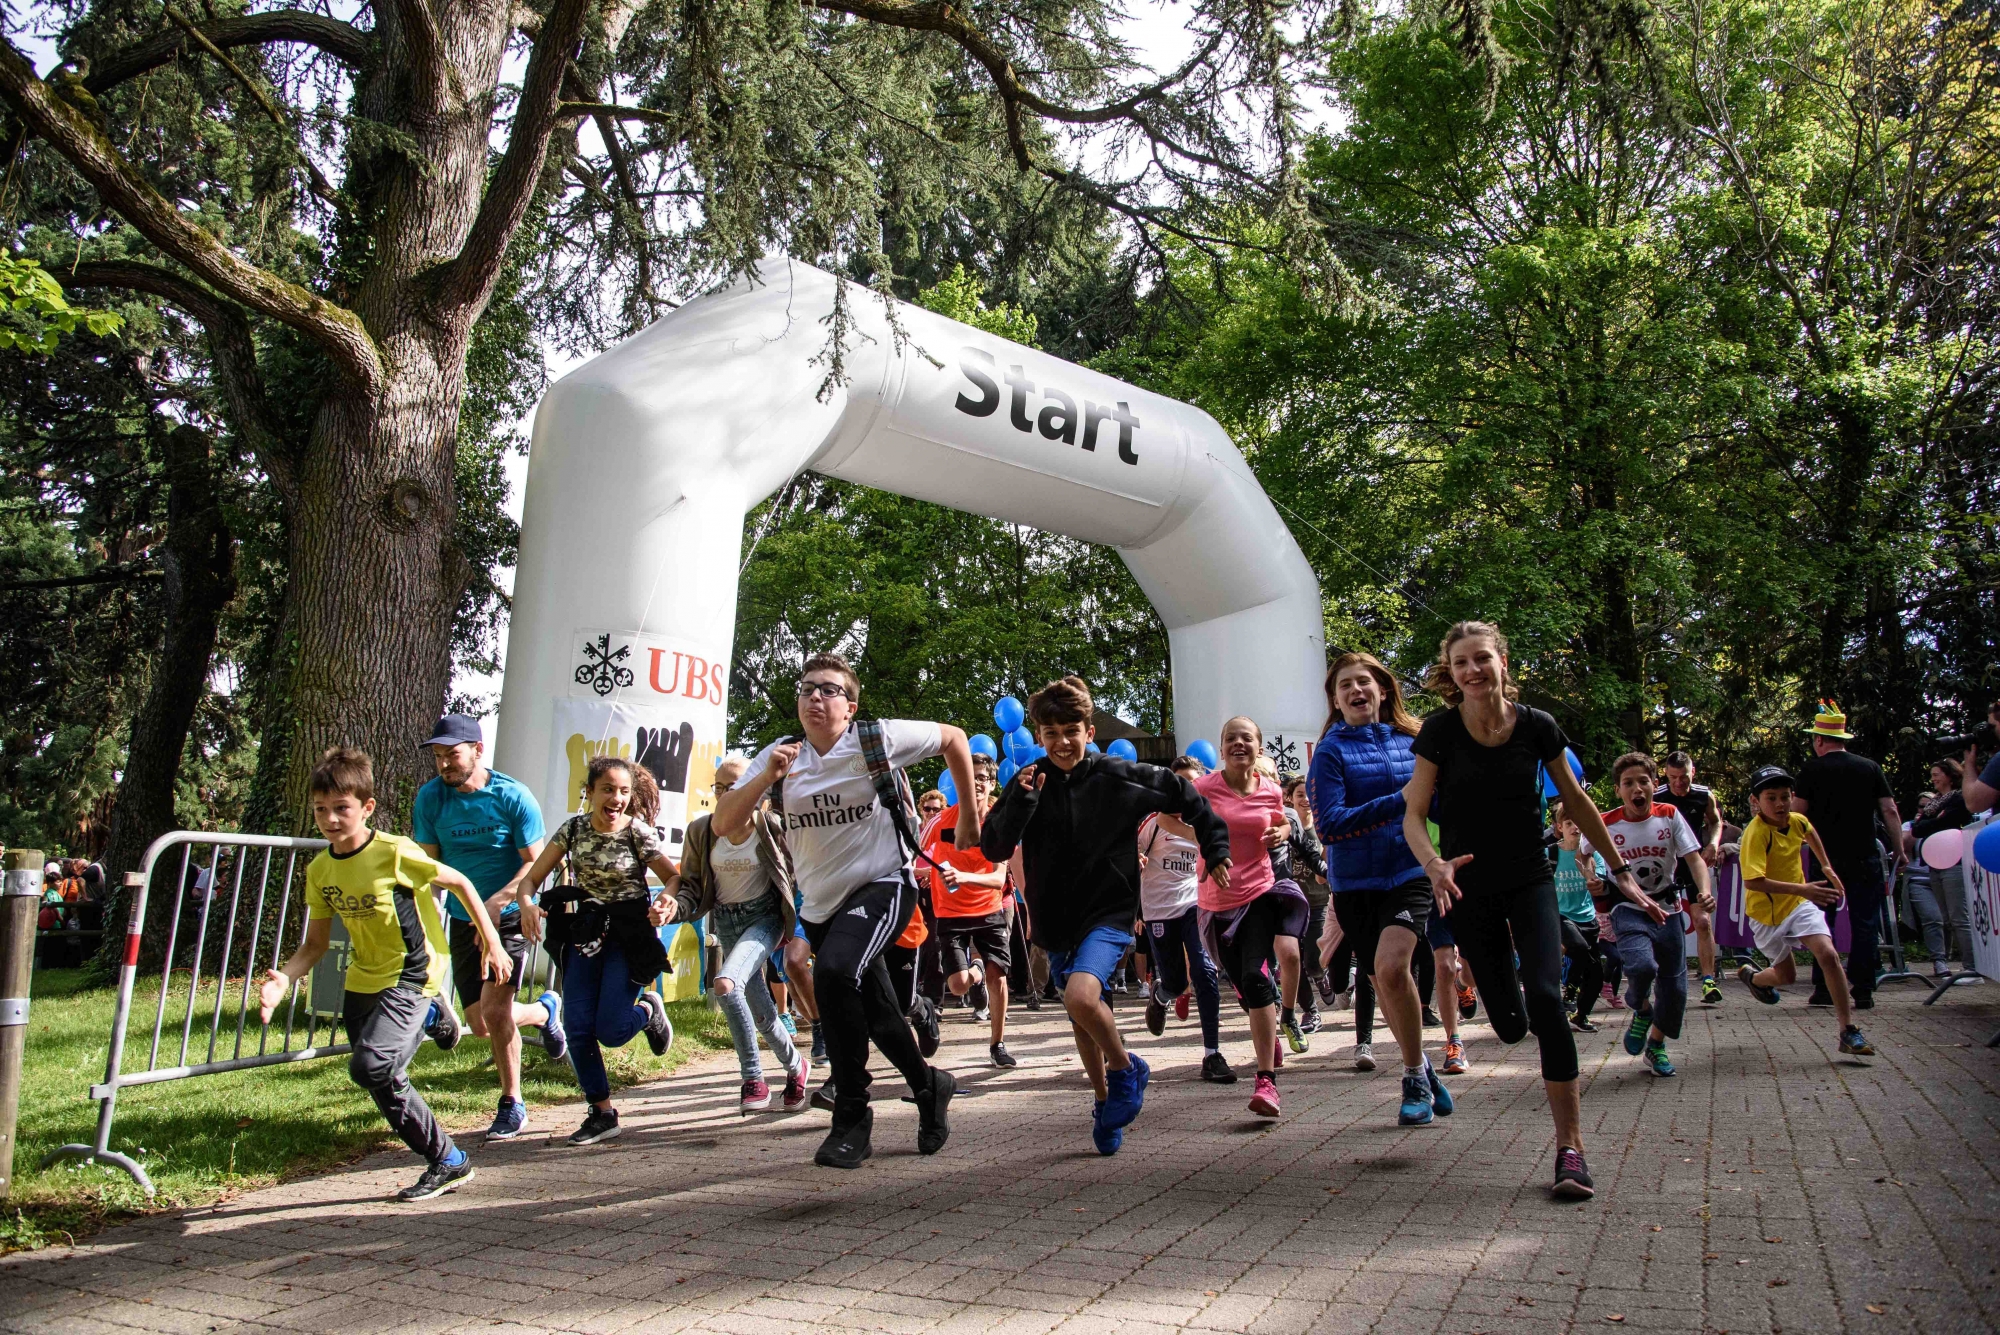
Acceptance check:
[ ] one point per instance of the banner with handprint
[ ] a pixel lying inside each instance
(677, 745)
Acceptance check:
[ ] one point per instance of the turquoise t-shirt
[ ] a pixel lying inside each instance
(483, 834)
(1572, 893)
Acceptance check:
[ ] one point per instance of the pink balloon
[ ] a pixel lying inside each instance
(1944, 849)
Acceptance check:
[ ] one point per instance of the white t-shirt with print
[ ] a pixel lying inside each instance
(1171, 878)
(1652, 848)
(740, 877)
(839, 836)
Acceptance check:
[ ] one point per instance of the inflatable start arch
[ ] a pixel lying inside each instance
(646, 459)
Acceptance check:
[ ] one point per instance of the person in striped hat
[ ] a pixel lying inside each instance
(1844, 793)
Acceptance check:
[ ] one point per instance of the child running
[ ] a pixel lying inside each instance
(1169, 895)
(1786, 910)
(380, 885)
(969, 901)
(1076, 821)
(1577, 873)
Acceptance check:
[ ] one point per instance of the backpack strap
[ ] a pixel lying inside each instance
(892, 786)
(777, 790)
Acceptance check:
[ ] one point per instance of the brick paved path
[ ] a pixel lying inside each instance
(1769, 1188)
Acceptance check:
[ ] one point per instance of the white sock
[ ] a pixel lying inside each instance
(1212, 1052)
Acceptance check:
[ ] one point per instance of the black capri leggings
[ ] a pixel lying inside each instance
(1244, 954)
(1492, 926)
(1586, 975)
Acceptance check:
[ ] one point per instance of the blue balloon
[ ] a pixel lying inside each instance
(1090, 748)
(1029, 754)
(1008, 769)
(982, 745)
(1018, 741)
(1203, 750)
(1986, 848)
(1008, 713)
(1123, 749)
(1548, 780)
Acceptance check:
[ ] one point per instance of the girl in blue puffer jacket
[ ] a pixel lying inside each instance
(1381, 896)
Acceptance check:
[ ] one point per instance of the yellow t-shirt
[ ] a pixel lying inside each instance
(382, 893)
(1772, 853)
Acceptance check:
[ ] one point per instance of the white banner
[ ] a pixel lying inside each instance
(1982, 905)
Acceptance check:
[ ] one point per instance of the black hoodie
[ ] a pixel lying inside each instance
(1079, 841)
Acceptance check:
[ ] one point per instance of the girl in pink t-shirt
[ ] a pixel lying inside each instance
(1254, 923)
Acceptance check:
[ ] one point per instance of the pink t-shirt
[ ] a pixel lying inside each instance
(1248, 818)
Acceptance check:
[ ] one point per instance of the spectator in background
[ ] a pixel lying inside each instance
(1982, 793)
(1938, 895)
(1844, 793)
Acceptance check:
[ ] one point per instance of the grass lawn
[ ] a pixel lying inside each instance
(213, 1135)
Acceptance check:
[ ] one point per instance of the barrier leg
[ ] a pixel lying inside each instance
(1951, 980)
(19, 906)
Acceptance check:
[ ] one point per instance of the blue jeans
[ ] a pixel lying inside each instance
(748, 933)
(600, 1010)
(1098, 954)
(1654, 956)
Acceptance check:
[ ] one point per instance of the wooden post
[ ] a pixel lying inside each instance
(19, 907)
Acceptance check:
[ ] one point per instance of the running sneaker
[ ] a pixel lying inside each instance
(659, 1029)
(1852, 1044)
(1125, 1091)
(819, 1042)
(1747, 975)
(1417, 1105)
(601, 1124)
(795, 1081)
(1431, 1020)
(1572, 1176)
(1323, 984)
(975, 997)
(441, 1026)
(1440, 1096)
(756, 1096)
(1156, 1016)
(508, 1119)
(1215, 1069)
(1454, 1057)
(1106, 1138)
(1711, 991)
(925, 1018)
(1864, 1001)
(1294, 1036)
(439, 1178)
(1820, 997)
(1656, 1059)
(822, 1098)
(1468, 1003)
(791, 1025)
(933, 1128)
(1181, 1006)
(1612, 1000)
(1364, 1056)
(555, 1039)
(1581, 1025)
(1264, 1096)
(1000, 1056)
(1034, 1000)
(1635, 1032)
(847, 1146)
(1309, 1021)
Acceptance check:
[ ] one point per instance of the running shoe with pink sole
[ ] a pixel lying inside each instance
(1264, 1099)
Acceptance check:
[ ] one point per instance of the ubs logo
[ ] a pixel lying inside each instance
(1058, 419)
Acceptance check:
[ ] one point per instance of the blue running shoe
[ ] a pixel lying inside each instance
(1417, 1102)
(1635, 1032)
(1440, 1096)
(1106, 1138)
(442, 1027)
(1125, 1092)
(509, 1120)
(555, 1042)
(1656, 1059)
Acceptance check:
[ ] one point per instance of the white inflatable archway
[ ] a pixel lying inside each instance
(646, 459)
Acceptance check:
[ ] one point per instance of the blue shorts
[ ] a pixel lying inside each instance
(1437, 931)
(1098, 955)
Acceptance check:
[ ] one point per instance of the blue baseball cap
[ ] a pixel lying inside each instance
(453, 729)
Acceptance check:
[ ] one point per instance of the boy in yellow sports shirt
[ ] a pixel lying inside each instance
(380, 885)
(1785, 909)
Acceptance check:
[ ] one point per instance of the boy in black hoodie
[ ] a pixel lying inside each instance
(1076, 819)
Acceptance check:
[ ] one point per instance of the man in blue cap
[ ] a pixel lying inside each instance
(488, 826)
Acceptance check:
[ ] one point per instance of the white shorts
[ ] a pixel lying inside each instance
(1808, 919)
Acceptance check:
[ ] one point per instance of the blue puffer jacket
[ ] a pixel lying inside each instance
(1356, 784)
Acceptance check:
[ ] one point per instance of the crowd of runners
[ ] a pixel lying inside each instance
(1432, 869)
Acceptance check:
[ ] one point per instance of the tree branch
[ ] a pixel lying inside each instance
(430, 72)
(334, 328)
(566, 110)
(102, 575)
(343, 41)
(472, 275)
(320, 186)
(230, 346)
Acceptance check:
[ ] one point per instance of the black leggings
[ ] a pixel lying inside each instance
(1492, 926)
(1364, 990)
(1585, 974)
(1244, 954)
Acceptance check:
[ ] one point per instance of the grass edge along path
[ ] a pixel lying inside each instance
(213, 1136)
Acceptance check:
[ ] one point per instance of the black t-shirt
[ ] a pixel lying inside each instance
(1490, 797)
(1694, 809)
(1843, 792)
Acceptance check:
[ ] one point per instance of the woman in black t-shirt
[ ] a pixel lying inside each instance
(1481, 759)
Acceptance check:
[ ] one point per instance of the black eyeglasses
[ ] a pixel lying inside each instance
(825, 690)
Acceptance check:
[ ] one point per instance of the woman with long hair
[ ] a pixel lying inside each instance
(1482, 758)
(1381, 898)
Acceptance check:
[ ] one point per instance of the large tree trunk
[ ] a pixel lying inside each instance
(199, 560)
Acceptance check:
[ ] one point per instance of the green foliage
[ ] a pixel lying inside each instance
(961, 297)
(34, 314)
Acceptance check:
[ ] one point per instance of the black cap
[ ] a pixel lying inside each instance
(453, 729)
(1771, 776)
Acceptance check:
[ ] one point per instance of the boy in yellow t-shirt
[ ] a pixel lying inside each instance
(1785, 909)
(380, 885)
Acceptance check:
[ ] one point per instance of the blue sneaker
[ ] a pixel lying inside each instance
(791, 1025)
(1440, 1096)
(509, 1120)
(554, 1041)
(441, 1027)
(1656, 1059)
(1106, 1138)
(1417, 1102)
(1125, 1092)
(1635, 1032)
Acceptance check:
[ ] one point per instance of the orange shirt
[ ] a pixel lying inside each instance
(968, 901)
